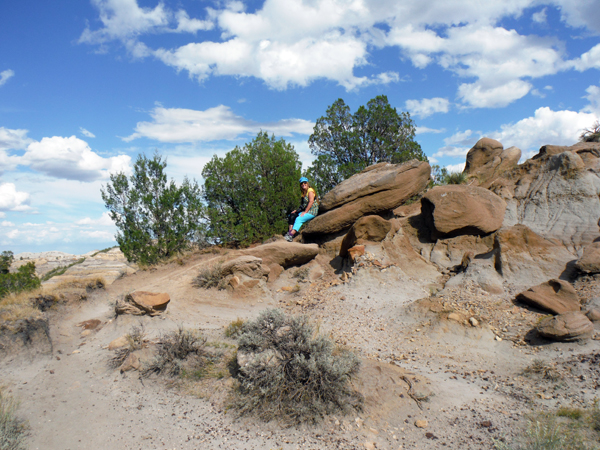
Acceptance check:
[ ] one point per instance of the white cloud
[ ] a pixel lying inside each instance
(545, 127)
(479, 96)
(580, 13)
(11, 199)
(188, 125)
(187, 25)
(13, 139)
(427, 106)
(72, 159)
(87, 133)
(6, 223)
(5, 75)
(423, 130)
(593, 96)
(12, 234)
(460, 137)
(589, 60)
(453, 168)
(104, 220)
(540, 16)
(2, 215)
(98, 235)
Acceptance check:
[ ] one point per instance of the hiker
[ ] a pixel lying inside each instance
(308, 210)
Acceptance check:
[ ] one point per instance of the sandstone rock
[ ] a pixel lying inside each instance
(132, 362)
(473, 321)
(590, 260)
(275, 271)
(91, 324)
(142, 302)
(481, 272)
(459, 209)
(250, 266)
(524, 258)
(118, 343)
(422, 423)
(555, 296)
(593, 314)
(377, 189)
(455, 317)
(234, 282)
(356, 251)
(284, 253)
(487, 160)
(569, 326)
(368, 228)
(548, 192)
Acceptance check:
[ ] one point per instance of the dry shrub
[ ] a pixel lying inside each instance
(135, 341)
(12, 429)
(294, 375)
(178, 351)
(209, 277)
(21, 306)
(234, 329)
(301, 273)
(543, 369)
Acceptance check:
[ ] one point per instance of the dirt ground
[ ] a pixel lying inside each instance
(462, 383)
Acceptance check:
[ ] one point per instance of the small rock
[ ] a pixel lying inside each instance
(118, 343)
(498, 338)
(593, 314)
(132, 362)
(370, 445)
(454, 316)
(473, 321)
(486, 424)
(422, 423)
(89, 324)
(85, 333)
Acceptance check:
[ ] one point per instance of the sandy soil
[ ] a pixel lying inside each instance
(469, 377)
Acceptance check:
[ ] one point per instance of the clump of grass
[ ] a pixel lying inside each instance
(104, 250)
(209, 277)
(234, 329)
(293, 373)
(179, 352)
(543, 369)
(16, 307)
(13, 430)
(571, 413)
(135, 341)
(301, 273)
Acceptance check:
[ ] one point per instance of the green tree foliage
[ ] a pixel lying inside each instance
(440, 176)
(249, 191)
(156, 218)
(346, 143)
(23, 279)
(591, 134)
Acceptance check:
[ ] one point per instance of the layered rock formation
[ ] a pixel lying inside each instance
(487, 160)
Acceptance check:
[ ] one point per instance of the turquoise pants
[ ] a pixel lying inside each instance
(301, 220)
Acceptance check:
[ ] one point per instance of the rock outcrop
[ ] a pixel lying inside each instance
(555, 296)
(244, 272)
(459, 209)
(377, 189)
(366, 229)
(589, 262)
(569, 326)
(547, 192)
(487, 160)
(283, 253)
(141, 302)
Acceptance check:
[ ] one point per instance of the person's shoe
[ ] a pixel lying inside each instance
(289, 237)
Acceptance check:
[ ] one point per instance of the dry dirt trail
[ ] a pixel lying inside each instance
(468, 382)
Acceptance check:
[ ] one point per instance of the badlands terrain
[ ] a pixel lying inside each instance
(471, 307)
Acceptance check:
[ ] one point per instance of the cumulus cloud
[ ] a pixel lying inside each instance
(544, 127)
(589, 60)
(87, 133)
(6, 223)
(423, 130)
(71, 158)
(5, 75)
(13, 200)
(13, 139)
(453, 168)
(290, 43)
(188, 125)
(427, 106)
(103, 220)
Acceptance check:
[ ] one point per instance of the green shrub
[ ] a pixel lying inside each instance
(208, 277)
(24, 279)
(12, 429)
(296, 375)
(61, 270)
(543, 369)
(234, 329)
(178, 351)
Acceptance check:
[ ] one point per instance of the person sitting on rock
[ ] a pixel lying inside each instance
(308, 210)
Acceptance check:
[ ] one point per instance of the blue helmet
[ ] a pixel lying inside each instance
(303, 179)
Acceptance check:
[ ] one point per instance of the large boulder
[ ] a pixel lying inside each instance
(555, 296)
(555, 195)
(525, 258)
(366, 229)
(375, 190)
(590, 260)
(487, 160)
(569, 326)
(284, 253)
(142, 302)
(458, 209)
(250, 266)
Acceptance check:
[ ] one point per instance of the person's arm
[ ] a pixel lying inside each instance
(311, 200)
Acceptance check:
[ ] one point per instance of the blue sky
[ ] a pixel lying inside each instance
(87, 85)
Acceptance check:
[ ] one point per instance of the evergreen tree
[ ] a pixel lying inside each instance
(249, 191)
(346, 143)
(156, 219)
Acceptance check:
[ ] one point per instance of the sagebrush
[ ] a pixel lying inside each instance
(209, 277)
(294, 375)
(135, 341)
(177, 351)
